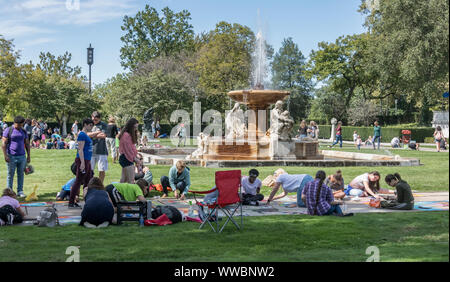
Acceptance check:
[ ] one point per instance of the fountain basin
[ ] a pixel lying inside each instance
(258, 99)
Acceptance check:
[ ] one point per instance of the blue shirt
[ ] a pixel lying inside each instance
(87, 150)
(68, 185)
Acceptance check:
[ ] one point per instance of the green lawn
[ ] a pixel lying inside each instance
(421, 236)
(52, 170)
(399, 237)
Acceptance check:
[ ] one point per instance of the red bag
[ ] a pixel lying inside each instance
(159, 188)
(160, 221)
(375, 203)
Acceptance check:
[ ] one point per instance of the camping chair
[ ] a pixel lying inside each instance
(138, 208)
(228, 184)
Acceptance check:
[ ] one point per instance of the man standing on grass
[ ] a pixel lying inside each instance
(100, 151)
(15, 142)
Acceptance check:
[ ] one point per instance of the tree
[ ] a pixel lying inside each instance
(130, 96)
(409, 49)
(362, 112)
(342, 63)
(11, 80)
(148, 35)
(288, 73)
(328, 104)
(224, 61)
(59, 66)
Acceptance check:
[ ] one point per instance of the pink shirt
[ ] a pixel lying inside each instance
(6, 200)
(127, 147)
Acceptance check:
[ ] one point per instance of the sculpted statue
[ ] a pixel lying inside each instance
(202, 146)
(275, 115)
(148, 120)
(285, 125)
(234, 122)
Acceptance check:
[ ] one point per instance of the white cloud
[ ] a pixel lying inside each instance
(24, 18)
(37, 41)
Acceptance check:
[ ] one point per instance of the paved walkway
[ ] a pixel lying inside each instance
(284, 206)
(423, 146)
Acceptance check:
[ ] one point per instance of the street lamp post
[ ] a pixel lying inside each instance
(90, 61)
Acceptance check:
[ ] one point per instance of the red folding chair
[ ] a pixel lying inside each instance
(228, 183)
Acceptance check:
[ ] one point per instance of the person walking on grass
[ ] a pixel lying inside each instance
(84, 171)
(128, 138)
(376, 134)
(338, 135)
(15, 144)
(100, 151)
(111, 133)
(319, 198)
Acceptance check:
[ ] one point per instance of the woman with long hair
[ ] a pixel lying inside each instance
(319, 198)
(367, 184)
(336, 183)
(303, 130)
(128, 137)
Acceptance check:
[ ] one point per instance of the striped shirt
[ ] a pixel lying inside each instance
(326, 197)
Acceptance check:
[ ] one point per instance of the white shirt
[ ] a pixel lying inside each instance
(290, 182)
(75, 128)
(250, 188)
(355, 136)
(72, 144)
(358, 182)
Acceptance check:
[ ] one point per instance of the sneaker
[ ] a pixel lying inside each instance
(21, 195)
(2, 222)
(74, 206)
(10, 218)
(88, 225)
(103, 225)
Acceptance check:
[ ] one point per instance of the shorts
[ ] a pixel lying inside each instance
(353, 192)
(64, 194)
(101, 160)
(124, 162)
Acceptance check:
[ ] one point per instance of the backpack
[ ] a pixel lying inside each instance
(172, 213)
(48, 217)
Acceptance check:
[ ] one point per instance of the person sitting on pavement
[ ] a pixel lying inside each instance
(336, 183)
(10, 212)
(179, 178)
(365, 185)
(98, 210)
(251, 187)
(319, 199)
(405, 198)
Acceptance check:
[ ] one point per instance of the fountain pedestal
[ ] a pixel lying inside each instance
(256, 144)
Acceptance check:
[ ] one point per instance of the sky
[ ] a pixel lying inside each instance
(57, 26)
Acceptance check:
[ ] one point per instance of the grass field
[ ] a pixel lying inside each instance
(421, 236)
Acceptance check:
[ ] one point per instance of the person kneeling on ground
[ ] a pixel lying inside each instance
(98, 210)
(65, 189)
(365, 185)
(290, 183)
(336, 183)
(119, 192)
(251, 187)
(319, 197)
(405, 199)
(10, 211)
(179, 178)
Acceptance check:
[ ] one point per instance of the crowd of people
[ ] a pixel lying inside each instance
(95, 139)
